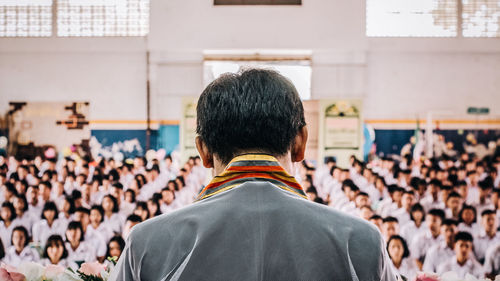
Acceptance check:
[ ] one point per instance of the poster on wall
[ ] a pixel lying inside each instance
(57, 124)
(188, 128)
(342, 126)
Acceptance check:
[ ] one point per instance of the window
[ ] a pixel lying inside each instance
(481, 18)
(23, 18)
(299, 72)
(102, 17)
(411, 18)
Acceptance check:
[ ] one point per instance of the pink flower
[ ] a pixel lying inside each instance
(92, 268)
(11, 276)
(427, 277)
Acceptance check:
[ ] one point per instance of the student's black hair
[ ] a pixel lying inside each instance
(390, 219)
(464, 236)
(2, 250)
(487, 212)
(116, 208)
(437, 213)
(71, 202)
(453, 194)
(406, 251)
(496, 190)
(376, 217)
(118, 185)
(11, 188)
(132, 193)
(76, 225)
(99, 209)
(24, 231)
(450, 222)
(238, 112)
(23, 198)
(155, 201)
(487, 183)
(181, 179)
(76, 194)
(436, 183)
(349, 183)
(50, 206)
(462, 183)
(312, 189)
(82, 210)
(55, 240)
(362, 194)
(11, 208)
(467, 207)
(446, 187)
(118, 239)
(134, 218)
(47, 184)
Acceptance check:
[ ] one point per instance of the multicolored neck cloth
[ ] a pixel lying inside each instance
(252, 167)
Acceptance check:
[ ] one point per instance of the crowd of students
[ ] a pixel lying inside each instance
(436, 215)
(79, 210)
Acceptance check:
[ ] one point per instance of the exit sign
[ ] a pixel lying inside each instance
(478, 110)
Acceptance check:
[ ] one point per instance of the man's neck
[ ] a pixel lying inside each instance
(285, 162)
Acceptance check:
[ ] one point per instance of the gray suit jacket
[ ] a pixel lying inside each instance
(255, 231)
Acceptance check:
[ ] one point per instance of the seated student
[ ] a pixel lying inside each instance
(19, 251)
(128, 204)
(444, 250)
(431, 201)
(416, 224)
(424, 241)
(390, 227)
(67, 210)
(463, 262)
(453, 205)
(55, 252)
(487, 236)
(93, 237)
(492, 261)
(169, 202)
(115, 247)
(391, 204)
(96, 222)
(141, 210)
(400, 256)
(132, 221)
(403, 213)
(467, 220)
(366, 212)
(7, 216)
(111, 215)
(23, 217)
(49, 224)
(79, 251)
(154, 206)
(377, 221)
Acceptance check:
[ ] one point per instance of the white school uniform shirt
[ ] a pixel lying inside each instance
(42, 231)
(482, 242)
(27, 254)
(410, 230)
(428, 203)
(6, 233)
(408, 268)
(63, 262)
(165, 209)
(402, 215)
(471, 267)
(422, 242)
(473, 229)
(492, 260)
(436, 255)
(115, 222)
(26, 220)
(103, 230)
(84, 253)
(97, 241)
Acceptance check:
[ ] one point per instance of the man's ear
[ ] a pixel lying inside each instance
(206, 157)
(299, 145)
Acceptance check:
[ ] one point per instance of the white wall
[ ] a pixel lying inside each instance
(398, 78)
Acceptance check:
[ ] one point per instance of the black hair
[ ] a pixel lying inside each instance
(390, 219)
(24, 231)
(11, 208)
(118, 185)
(349, 183)
(2, 250)
(181, 179)
(23, 198)
(76, 225)
(47, 184)
(132, 193)
(54, 240)
(238, 112)
(376, 217)
(99, 209)
(82, 210)
(467, 207)
(134, 218)
(76, 194)
(487, 212)
(155, 201)
(116, 208)
(406, 251)
(452, 195)
(50, 206)
(118, 239)
(11, 188)
(71, 202)
(464, 236)
(438, 213)
(450, 222)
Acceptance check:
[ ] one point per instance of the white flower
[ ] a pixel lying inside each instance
(32, 271)
(67, 276)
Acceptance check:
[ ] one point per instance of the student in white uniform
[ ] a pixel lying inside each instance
(79, 251)
(111, 215)
(92, 237)
(20, 252)
(492, 261)
(463, 262)
(416, 224)
(7, 216)
(96, 222)
(444, 250)
(49, 224)
(400, 256)
(55, 252)
(23, 217)
(390, 227)
(467, 220)
(432, 236)
(487, 236)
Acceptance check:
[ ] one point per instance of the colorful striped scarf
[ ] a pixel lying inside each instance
(252, 167)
